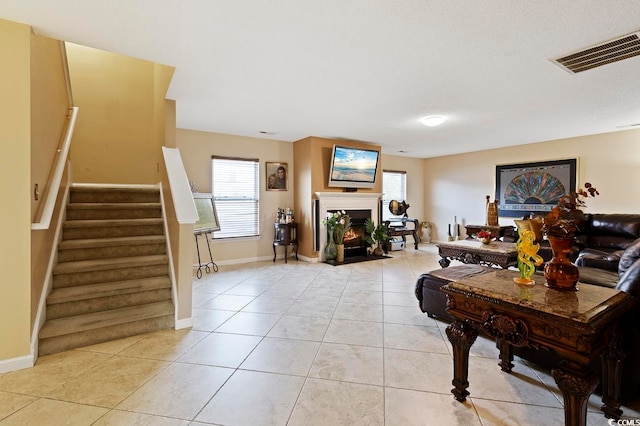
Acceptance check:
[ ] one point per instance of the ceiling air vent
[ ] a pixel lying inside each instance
(612, 51)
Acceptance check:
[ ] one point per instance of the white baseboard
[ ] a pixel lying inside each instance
(280, 257)
(19, 363)
(183, 323)
(308, 259)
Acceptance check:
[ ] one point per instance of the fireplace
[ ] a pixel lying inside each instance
(359, 205)
(354, 239)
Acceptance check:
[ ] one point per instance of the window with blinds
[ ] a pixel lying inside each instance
(236, 192)
(394, 187)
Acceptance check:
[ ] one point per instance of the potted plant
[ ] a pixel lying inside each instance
(377, 236)
(560, 226)
(338, 224)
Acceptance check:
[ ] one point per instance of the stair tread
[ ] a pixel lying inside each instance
(78, 323)
(110, 206)
(80, 223)
(111, 263)
(91, 291)
(111, 242)
(101, 229)
(84, 187)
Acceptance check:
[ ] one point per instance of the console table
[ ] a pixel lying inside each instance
(579, 326)
(495, 253)
(403, 231)
(286, 234)
(496, 230)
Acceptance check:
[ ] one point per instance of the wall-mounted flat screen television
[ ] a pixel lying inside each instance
(353, 167)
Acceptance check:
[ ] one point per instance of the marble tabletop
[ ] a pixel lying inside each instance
(583, 305)
(492, 247)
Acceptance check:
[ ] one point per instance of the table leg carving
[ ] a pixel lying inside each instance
(444, 262)
(576, 384)
(461, 335)
(506, 355)
(612, 361)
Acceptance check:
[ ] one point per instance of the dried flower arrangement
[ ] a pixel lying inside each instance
(566, 218)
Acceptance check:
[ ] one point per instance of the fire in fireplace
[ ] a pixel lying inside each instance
(354, 239)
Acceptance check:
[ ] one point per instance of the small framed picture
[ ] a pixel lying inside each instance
(277, 175)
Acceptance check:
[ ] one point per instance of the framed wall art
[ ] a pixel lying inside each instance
(208, 216)
(277, 176)
(533, 188)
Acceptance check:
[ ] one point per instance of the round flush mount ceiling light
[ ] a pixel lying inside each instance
(433, 120)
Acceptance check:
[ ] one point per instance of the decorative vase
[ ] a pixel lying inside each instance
(339, 252)
(559, 272)
(378, 251)
(492, 212)
(330, 251)
(485, 240)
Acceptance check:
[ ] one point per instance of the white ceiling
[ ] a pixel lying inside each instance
(368, 70)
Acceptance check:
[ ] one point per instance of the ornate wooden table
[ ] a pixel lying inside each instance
(578, 326)
(495, 253)
(498, 230)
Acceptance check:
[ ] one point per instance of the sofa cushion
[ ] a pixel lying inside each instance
(629, 256)
(630, 282)
(610, 232)
(599, 259)
(597, 276)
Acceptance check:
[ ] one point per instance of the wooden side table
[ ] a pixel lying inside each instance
(286, 234)
(403, 231)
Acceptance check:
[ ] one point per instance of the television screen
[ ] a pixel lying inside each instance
(353, 167)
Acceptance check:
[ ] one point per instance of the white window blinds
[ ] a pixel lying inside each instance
(236, 192)
(394, 187)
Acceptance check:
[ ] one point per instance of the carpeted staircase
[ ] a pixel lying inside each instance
(112, 277)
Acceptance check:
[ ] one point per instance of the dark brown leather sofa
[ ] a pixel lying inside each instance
(627, 278)
(601, 241)
(605, 238)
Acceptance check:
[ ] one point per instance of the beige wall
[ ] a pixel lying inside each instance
(49, 111)
(170, 123)
(120, 128)
(303, 195)
(15, 191)
(415, 182)
(313, 160)
(49, 117)
(196, 149)
(457, 185)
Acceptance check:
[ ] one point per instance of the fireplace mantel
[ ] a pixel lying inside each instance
(331, 201)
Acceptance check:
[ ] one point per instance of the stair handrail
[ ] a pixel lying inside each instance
(56, 179)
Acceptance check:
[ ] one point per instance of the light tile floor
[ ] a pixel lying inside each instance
(289, 344)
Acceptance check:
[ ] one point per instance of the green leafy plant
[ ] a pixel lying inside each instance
(376, 235)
